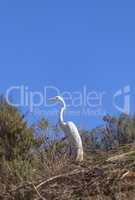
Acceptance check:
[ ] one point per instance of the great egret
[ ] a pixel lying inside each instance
(70, 130)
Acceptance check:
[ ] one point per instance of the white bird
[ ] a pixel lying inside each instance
(70, 130)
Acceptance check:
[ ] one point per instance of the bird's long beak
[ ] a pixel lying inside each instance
(52, 98)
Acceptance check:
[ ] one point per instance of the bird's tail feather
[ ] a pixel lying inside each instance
(79, 156)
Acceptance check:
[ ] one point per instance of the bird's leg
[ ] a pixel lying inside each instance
(70, 151)
(64, 138)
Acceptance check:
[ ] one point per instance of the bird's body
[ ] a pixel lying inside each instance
(71, 128)
(71, 131)
(74, 139)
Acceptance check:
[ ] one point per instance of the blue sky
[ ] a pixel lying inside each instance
(69, 44)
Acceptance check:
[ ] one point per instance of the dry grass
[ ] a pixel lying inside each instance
(93, 179)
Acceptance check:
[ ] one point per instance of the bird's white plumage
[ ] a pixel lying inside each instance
(71, 131)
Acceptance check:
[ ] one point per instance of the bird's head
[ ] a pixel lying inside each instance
(56, 98)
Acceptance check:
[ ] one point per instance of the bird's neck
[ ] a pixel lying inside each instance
(63, 107)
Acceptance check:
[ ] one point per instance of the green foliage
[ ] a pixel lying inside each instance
(116, 131)
(16, 138)
(43, 124)
(120, 129)
(47, 142)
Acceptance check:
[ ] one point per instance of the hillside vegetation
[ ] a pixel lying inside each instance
(35, 162)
